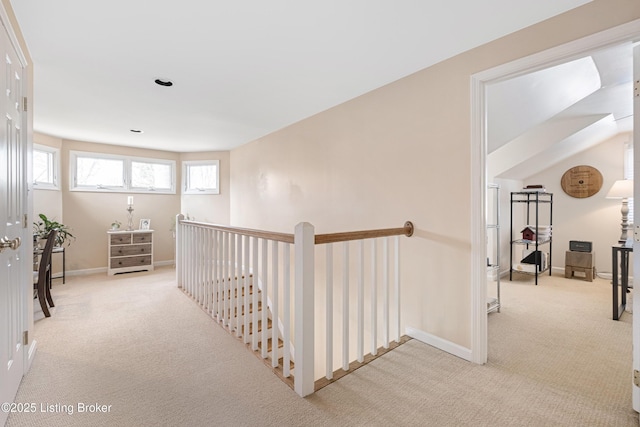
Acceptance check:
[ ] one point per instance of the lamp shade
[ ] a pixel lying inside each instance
(621, 189)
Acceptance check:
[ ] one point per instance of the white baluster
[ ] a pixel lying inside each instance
(203, 268)
(225, 277)
(274, 304)
(187, 260)
(179, 249)
(247, 297)
(190, 261)
(360, 301)
(206, 264)
(216, 275)
(233, 310)
(186, 238)
(345, 307)
(254, 284)
(221, 282)
(198, 271)
(385, 291)
(374, 297)
(397, 286)
(194, 263)
(265, 295)
(286, 316)
(211, 272)
(242, 311)
(329, 311)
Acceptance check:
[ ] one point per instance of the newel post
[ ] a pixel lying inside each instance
(179, 249)
(304, 241)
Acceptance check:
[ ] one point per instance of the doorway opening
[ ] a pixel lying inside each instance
(574, 53)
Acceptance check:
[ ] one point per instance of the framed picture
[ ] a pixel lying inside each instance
(145, 224)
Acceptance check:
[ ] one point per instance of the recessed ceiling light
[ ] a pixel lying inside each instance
(164, 82)
(136, 131)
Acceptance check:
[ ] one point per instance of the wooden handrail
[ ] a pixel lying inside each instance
(320, 239)
(269, 235)
(407, 230)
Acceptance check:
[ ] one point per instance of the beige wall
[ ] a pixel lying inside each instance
(90, 214)
(400, 152)
(48, 202)
(213, 208)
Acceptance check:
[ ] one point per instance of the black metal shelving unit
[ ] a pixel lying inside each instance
(532, 199)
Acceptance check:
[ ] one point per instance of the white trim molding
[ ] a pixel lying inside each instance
(440, 343)
(100, 270)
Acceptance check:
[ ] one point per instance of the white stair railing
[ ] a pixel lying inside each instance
(242, 278)
(362, 306)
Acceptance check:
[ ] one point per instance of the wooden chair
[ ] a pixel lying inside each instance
(41, 278)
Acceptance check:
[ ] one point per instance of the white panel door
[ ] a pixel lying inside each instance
(15, 282)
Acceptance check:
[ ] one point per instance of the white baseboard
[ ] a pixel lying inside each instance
(164, 263)
(606, 275)
(86, 271)
(559, 270)
(440, 343)
(104, 269)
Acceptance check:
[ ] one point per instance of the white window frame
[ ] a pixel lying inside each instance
(186, 189)
(126, 179)
(55, 165)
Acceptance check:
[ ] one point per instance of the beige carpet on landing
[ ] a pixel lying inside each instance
(137, 343)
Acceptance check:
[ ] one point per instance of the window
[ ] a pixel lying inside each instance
(151, 176)
(99, 172)
(201, 177)
(104, 172)
(46, 164)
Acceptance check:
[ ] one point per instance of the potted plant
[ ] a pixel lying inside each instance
(115, 225)
(42, 228)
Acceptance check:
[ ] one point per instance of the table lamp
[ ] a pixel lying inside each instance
(622, 189)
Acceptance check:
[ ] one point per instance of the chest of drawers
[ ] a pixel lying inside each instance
(130, 251)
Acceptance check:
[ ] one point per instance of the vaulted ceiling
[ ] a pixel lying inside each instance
(544, 117)
(240, 69)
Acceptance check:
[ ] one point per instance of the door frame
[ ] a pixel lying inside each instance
(628, 32)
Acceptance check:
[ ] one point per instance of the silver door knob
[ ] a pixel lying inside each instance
(5, 242)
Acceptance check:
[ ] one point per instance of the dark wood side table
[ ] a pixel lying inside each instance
(620, 258)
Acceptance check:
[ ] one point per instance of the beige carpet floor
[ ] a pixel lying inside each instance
(137, 344)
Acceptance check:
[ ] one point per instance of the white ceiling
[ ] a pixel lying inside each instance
(240, 69)
(544, 117)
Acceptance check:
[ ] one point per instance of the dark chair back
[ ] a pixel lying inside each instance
(44, 272)
(45, 260)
